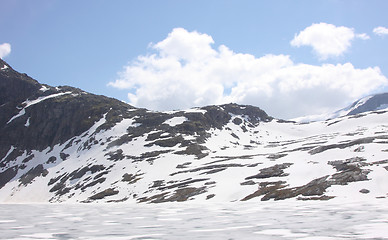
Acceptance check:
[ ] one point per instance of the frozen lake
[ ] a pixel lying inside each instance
(253, 220)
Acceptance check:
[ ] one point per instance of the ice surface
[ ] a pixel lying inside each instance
(266, 220)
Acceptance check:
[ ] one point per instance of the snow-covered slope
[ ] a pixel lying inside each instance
(117, 153)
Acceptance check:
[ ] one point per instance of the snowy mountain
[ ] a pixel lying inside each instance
(61, 144)
(370, 103)
(367, 104)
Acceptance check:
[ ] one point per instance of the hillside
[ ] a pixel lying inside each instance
(61, 144)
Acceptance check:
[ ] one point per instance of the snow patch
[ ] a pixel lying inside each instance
(44, 88)
(9, 152)
(195, 110)
(29, 103)
(4, 67)
(27, 123)
(175, 121)
(165, 134)
(21, 113)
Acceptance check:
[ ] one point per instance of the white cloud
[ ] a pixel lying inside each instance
(186, 46)
(5, 49)
(187, 71)
(327, 40)
(363, 36)
(381, 31)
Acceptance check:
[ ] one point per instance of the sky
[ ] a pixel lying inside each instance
(290, 58)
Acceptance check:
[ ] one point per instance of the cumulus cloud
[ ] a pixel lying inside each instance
(186, 70)
(5, 49)
(380, 31)
(327, 40)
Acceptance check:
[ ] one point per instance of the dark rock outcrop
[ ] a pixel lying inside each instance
(32, 174)
(274, 171)
(103, 194)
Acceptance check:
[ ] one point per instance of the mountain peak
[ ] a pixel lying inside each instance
(15, 86)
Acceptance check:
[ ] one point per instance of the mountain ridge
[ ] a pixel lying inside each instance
(61, 144)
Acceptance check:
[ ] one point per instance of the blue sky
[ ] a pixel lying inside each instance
(291, 58)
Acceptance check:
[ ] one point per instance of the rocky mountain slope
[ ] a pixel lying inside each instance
(61, 144)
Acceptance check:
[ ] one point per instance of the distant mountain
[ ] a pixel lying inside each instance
(367, 104)
(370, 103)
(61, 144)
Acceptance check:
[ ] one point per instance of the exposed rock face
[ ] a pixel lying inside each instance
(15, 87)
(7, 175)
(35, 116)
(64, 144)
(106, 192)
